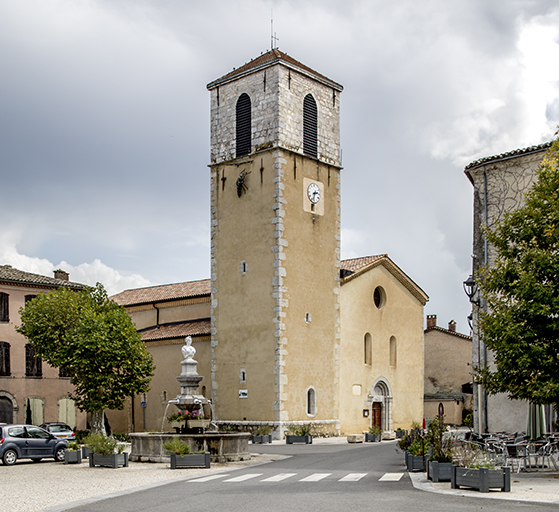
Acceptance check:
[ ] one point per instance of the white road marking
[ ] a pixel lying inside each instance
(208, 478)
(279, 478)
(242, 478)
(352, 477)
(316, 477)
(391, 477)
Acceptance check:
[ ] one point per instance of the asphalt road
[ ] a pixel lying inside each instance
(338, 477)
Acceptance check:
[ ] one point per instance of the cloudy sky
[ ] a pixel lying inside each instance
(104, 125)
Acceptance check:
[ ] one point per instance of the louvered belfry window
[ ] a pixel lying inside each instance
(310, 130)
(244, 129)
(4, 359)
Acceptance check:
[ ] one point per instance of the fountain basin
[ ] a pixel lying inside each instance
(223, 446)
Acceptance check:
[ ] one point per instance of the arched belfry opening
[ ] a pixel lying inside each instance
(244, 125)
(310, 126)
(381, 405)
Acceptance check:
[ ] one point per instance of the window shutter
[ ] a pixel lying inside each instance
(4, 359)
(244, 125)
(310, 126)
(4, 309)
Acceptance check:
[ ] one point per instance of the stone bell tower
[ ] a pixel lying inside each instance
(275, 242)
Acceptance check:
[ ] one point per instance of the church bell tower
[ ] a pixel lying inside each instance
(275, 243)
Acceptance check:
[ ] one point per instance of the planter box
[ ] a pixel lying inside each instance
(114, 460)
(481, 479)
(85, 452)
(191, 460)
(71, 457)
(298, 439)
(415, 462)
(198, 423)
(439, 471)
(373, 438)
(262, 439)
(400, 433)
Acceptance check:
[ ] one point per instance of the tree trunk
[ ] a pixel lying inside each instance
(98, 422)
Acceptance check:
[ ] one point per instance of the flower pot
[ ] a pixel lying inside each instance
(414, 462)
(114, 460)
(439, 471)
(72, 457)
(298, 439)
(262, 439)
(481, 479)
(191, 460)
(198, 423)
(400, 433)
(373, 438)
(85, 452)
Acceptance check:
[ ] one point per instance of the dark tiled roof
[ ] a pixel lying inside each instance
(163, 292)
(447, 331)
(11, 275)
(177, 330)
(268, 59)
(510, 154)
(354, 264)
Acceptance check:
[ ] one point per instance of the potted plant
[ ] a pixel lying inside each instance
(190, 419)
(374, 435)
(105, 451)
(263, 435)
(73, 454)
(181, 456)
(299, 434)
(400, 433)
(414, 445)
(475, 469)
(439, 466)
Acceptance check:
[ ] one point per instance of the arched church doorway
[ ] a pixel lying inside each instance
(381, 405)
(376, 417)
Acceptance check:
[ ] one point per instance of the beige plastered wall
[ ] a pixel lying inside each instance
(17, 387)
(400, 317)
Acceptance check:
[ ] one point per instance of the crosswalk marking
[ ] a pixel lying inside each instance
(352, 477)
(391, 477)
(242, 478)
(315, 478)
(279, 478)
(208, 478)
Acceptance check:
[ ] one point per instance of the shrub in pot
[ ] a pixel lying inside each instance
(181, 456)
(105, 451)
(299, 434)
(73, 454)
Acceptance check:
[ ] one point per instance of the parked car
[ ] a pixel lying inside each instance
(29, 442)
(60, 430)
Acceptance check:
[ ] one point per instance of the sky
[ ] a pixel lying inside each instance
(104, 125)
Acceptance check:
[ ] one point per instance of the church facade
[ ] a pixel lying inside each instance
(292, 333)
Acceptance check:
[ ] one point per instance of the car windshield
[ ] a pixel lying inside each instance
(59, 428)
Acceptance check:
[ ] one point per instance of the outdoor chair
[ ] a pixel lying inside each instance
(517, 454)
(545, 452)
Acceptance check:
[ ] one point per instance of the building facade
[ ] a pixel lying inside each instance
(30, 390)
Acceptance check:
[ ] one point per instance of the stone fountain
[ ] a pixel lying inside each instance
(223, 446)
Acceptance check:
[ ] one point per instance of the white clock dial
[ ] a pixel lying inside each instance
(313, 193)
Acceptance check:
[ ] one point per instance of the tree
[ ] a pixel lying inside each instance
(94, 340)
(520, 324)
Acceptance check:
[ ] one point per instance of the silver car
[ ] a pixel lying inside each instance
(29, 442)
(60, 430)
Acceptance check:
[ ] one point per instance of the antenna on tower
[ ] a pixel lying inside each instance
(273, 38)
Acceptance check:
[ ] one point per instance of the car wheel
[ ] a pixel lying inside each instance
(9, 458)
(36, 460)
(59, 455)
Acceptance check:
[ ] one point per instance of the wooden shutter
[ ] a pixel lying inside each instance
(310, 126)
(244, 125)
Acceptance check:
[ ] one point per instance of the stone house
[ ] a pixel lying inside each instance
(499, 184)
(448, 372)
(30, 390)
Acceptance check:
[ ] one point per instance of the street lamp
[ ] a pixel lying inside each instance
(471, 289)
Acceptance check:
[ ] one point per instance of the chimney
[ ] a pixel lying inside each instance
(60, 274)
(431, 321)
(452, 326)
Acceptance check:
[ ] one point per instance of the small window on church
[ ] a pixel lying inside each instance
(367, 349)
(244, 125)
(379, 297)
(310, 126)
(311, 402)
(393, 353)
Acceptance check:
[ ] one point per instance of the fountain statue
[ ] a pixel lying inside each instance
(198, 431)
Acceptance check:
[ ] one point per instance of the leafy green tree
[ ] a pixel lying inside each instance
(94, 340)
(520, 324)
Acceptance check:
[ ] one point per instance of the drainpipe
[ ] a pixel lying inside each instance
(482, 300)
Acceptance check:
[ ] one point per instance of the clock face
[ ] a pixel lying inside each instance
(313, 193)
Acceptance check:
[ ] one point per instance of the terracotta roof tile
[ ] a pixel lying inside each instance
(354, 264)
(11, 275)
(178, 330)
(448, 331)
(163, 292)
(267, 59)
(509, 154)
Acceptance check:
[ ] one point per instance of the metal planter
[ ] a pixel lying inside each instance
(191, 460)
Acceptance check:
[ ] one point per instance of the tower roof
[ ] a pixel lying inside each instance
(268, 59)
